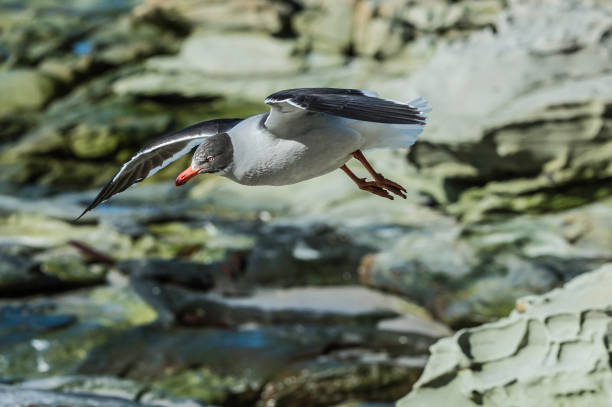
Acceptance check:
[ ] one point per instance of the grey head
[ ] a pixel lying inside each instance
(214, 154)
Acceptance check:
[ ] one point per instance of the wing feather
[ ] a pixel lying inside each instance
(158, 155)
(354, 104)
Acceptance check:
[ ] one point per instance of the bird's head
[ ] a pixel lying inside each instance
(213, 155)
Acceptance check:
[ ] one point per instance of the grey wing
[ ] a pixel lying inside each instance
(158, 155)
(354, 104)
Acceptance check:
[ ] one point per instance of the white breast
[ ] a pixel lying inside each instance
(318, 145)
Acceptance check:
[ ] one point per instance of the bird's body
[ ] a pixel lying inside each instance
(307, 133)
(262, 157)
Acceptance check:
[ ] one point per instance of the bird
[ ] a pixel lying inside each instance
(308, 132)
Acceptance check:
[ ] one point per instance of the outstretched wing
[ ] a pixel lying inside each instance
(158, 155)
(288, 105)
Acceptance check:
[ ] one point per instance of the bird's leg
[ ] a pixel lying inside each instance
(379, 179)
(369, 186)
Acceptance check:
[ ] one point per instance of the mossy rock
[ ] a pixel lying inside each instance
(24, 90)
(203, 384)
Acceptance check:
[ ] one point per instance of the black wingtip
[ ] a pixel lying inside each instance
(90, 207)
(80, 216)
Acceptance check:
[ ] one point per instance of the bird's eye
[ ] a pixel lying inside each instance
(210, 158)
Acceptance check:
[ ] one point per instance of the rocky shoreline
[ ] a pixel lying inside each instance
(313, 294)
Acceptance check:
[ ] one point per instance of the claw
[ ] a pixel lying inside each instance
(395, 190)
(380, 178)
(374, 188)
(380, 186)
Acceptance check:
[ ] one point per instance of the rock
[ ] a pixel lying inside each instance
(24, 90)
(46, 272)
(205, 53)
(327, 24)
(336, 378)
(25, 322)
(231, 365)
(314, 254)
(99, 386)
(43, 338)
(458, 16)
(552, 347)
(160, 82)
(234, 15)
(44, 233)
(374, 33)
(308, 305)
(15, 272)
(87, 113)
(104, 387)
(207, 364)
(474, 274)
(480, 153)
(150, 279)
(93, 142)
(17, 395)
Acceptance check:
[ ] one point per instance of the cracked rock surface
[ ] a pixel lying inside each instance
(553, 350)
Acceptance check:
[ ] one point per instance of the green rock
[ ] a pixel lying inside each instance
(69, 265)
(92, 142)
(44, 233)
(24, 90)
(203, 384)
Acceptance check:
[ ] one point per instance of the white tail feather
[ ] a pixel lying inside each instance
(383, 135)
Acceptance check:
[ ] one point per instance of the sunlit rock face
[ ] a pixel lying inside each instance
(522, 113)
(552, 347)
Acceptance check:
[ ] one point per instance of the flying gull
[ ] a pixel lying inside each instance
(307, 133)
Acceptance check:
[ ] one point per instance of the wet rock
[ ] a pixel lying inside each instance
(46, 233)
(294, 255)
(15, 272)
(351, 375)
(17, 396)
(104, 387)
(552, 347)
(157, 282)
(469, 275)
(211, 365)
(90, 385)
(71, 265)
(24, 90)
(46, 272)
(45, 338)
(308, 305)
(231, 366)
(23, 322)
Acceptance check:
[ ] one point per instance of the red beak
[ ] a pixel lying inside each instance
(186, 175)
